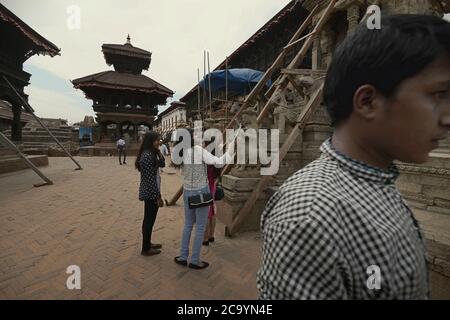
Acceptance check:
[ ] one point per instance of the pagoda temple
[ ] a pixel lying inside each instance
(123, 99)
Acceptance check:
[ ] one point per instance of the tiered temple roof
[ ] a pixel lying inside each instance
(123, 97)
(128, 62)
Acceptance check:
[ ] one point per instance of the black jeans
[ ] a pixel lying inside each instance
(150, 211)
(123, 152)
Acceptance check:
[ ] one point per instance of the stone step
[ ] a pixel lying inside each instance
(7, 156)
(45, 139)
(5, 151)
(16, 163)
(42, 131)
(36, 151)
(34, 144)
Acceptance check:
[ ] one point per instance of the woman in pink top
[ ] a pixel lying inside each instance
(213, 173)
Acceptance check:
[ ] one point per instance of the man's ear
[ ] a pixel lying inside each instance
(365, 102)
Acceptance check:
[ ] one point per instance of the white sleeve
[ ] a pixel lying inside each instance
(210, 159)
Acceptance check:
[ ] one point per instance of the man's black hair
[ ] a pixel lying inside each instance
(402, 48)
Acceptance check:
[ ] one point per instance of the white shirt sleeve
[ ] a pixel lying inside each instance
(210, 159)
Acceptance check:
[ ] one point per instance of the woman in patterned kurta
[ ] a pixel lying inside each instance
(148, 162)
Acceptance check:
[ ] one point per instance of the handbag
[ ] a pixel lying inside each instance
(220, 194)
(203, 199)
(200, 200)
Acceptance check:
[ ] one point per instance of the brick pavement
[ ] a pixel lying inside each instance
(92, 218)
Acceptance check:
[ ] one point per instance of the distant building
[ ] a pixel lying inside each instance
(172, 118)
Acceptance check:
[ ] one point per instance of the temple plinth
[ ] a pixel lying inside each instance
(123, 98)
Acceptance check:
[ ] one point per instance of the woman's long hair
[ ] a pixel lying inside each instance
(148, 144)
(178, 140)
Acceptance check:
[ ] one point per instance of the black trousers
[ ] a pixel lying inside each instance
(150, 212)
(123, 152)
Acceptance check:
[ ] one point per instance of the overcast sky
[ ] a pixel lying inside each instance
(175, 31)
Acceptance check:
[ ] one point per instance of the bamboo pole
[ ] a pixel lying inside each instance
(198, 95)
(226, 89)
(204, 83)
(210, 91)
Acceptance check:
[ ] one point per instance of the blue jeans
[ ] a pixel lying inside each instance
(199, 217)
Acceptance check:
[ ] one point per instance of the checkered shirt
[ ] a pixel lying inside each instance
(330, 224)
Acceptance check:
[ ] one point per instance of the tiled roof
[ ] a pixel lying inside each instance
(123, 81)
(44, 46)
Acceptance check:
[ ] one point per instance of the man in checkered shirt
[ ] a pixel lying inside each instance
(339, 229)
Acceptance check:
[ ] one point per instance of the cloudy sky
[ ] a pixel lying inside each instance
(175, 31)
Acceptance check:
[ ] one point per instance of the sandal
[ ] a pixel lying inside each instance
(155, 246)
(151, 252)
(204, 265)
(180, 262)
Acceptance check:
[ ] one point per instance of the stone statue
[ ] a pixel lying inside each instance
(289, 103)
(248, 120)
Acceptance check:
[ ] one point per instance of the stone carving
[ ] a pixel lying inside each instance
(289, 103)
(248, 120)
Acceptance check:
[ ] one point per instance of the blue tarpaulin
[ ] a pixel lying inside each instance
(240, 81)
(85, 132)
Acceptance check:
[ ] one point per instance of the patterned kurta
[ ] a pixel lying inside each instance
(149, 187)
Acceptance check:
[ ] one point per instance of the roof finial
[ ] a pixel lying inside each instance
(129, 39)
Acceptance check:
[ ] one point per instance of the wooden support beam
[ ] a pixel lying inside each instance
(298, 72)
(299, 40)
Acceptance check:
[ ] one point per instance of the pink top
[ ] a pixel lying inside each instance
(212, 188)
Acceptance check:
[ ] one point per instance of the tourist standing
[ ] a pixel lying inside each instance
(164, 151)
(196, 190)
(121, 148)
(148, 161)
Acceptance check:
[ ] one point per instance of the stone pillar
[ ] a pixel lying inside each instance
(326, 46)
(353, 16)
(103, 131)
(16, 127)
(316, 56)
